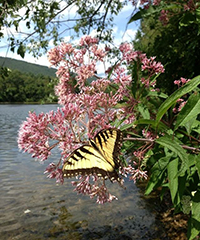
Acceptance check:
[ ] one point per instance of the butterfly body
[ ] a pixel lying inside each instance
(100, 157)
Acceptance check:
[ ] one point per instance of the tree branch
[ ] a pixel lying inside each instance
(63, 9)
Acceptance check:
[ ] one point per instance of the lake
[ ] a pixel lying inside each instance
(35, 207)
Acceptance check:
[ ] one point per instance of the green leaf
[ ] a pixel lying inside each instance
(160, 126)
(137, 16)
(189, 125)
(144, 12)
(157, 94)
(21, 50)
(144, 111)
(196, 126)
(189, 86)
(194, 223)
(189, 111)
(197, 163)
(126, 126)
(145, 121)
(172, 169)
(172, 144)
(157, 174)
(148, 12)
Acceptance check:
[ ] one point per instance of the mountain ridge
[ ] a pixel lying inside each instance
(27, 67)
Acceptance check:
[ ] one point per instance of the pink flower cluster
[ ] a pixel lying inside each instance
(190, 6)
(152, 68)
(136, 174)
(76, 67)
(89, 103)
(156, 2)
(54, 172)
(180, 102)
(99, 189)
(164, 17)
(181, 82)
(39, 134)
(129, 55)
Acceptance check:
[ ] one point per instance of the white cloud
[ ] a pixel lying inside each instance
(115, 30)
(124, 36)
(129, 35)
(129, 7)
(67, 39)
(69, 12)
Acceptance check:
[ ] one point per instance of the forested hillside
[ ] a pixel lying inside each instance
(25, 82)
(23, 66)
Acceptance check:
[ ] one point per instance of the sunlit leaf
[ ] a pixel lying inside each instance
(189, 111)
(172, 144)
(189, 86)
(157, 174)
(194, 223)
(172, 169)
(144, 111)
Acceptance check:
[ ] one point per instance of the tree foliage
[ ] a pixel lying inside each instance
(16, 86)
(43, 21)
(170, 31)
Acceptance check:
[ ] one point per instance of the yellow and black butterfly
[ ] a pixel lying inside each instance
(100, 156)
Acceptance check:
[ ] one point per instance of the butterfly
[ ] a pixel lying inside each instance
(99, 157)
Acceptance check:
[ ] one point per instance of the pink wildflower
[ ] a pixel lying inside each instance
(148, 134)
(177, 82)
(98, 53)
(164, 17)
(136, 174)
(184, 80)
(181, 82)
(180, 104)
(66, 48)
(83, 186)
(152, 66)
(156, 2)
(129, 55)
(190, 6)
(54, 172)
(54, 56)
(88, 41)
(84, 72)
(32, 136)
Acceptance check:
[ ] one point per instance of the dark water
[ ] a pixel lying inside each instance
(34, 207)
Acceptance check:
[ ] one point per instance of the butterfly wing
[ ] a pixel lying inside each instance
(100, 157)
(109, 142)
(86, 160)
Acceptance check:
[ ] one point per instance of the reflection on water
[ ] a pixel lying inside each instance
(34, 207)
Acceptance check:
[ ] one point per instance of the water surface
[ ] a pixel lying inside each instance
(34, 207)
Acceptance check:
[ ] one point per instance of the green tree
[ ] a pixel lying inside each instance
(26, 87)
(175, 42)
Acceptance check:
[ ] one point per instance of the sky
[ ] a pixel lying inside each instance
(122, 33)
